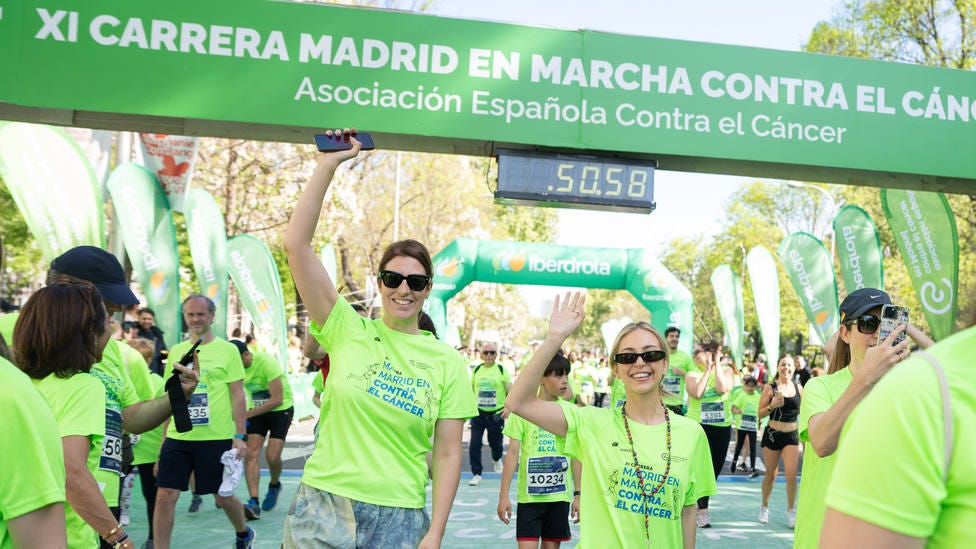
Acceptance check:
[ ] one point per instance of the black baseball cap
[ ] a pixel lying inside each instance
(861, 301)
(98, 267)
(241, 346)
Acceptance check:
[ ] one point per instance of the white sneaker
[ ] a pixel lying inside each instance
(499, 466)
(790, 518)
(475, 480)
(703, 519)
(764, 515)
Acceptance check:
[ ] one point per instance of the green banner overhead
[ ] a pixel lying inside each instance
(53, 185)
(728, 296)
(764, 281)
(208, 247)
(275, 70)
(147, 229)
(925, 231)
(808, 265)
(255, 275)
(858, 249)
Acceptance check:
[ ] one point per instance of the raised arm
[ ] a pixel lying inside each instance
(567, 314)
(312, 281)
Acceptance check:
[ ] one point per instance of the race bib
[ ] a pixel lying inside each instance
(260, 397)
(199, 408)
(749, 423)
(712, 412)
(487, 398)
(111, 458)
(546, 475)
(672, 384)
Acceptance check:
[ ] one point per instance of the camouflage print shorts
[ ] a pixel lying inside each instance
(320, 520)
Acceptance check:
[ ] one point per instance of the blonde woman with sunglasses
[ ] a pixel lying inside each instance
(391, 389)
(644, 468)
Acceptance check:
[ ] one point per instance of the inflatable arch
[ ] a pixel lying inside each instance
(635, 270)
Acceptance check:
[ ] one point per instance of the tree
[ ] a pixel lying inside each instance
(929, 32)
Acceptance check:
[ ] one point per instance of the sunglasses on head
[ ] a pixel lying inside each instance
(866, 324)
(393, 279)
(647, 356)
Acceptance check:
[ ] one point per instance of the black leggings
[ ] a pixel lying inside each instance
(148, 482)
(718, 444)
(743, 435)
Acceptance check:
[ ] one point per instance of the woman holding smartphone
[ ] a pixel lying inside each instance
(780, 402)
(644, 468)
(858, 361)
(391, 389)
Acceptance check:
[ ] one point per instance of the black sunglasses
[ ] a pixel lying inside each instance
(647, 356)
(866, 324)
(393, 279)
(489, 352)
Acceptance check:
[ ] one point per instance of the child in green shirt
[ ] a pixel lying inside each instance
(746, 406)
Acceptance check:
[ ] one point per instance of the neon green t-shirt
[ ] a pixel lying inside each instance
(819, 394)
(264, 368)
(488, 384)
(748, 420)
(146, 449)
(583, 378)
(7, 323)
(386, 389)
(901, 422)
(611, 502)
(713, 407)
(618, 394)
(210, 406)
(34, 442)
(318, 383)
(544, 472)
(78, 404)
(675, 384)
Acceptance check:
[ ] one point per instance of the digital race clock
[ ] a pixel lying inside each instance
(575, 181)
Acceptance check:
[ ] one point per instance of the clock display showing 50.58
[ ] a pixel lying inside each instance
(575, 180)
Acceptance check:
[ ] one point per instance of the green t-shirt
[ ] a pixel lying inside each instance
(712, 408)
(210, 406)
(32, 440)
(611, 501)
(901, 423)
(544, 472)
(264, 368)
(819, 394)
(386, 389)
(78, 404)
(138, 371)
(618, 394)
(488, 384)
(146, 448)
(7, 323)
(583, 378)
(673, 383)
(748, 420)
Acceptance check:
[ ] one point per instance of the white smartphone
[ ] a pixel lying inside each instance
(892, 316)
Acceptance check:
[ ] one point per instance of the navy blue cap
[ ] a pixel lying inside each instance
(99, 267)
(241, 346)
(861, 301)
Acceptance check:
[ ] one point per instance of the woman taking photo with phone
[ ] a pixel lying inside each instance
(391, 388)
(780, 402)
(644, 468)
(857, 363)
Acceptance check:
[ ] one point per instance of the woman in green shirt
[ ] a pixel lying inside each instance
(61, 333)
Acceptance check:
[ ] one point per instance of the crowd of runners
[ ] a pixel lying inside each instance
(629, 443)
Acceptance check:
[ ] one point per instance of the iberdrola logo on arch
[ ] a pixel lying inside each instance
(447, 267)
(572, 265)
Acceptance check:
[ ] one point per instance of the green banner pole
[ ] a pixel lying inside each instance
(208, 247)
(764, 281)
(925, 231)
(810, 270)
(728, 296)
(858, 249)
(255, 276)
(147, 229)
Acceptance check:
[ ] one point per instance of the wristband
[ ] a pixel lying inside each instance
(240, 436)
(112, 531)
(576, 492)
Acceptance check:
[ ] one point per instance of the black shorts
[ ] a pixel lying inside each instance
(178, 458)
(777, 440)
(275, 422)
(549, 521)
